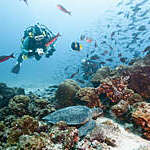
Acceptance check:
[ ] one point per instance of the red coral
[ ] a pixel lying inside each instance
(115, 89)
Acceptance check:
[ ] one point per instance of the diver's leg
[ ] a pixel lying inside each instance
(50, 52)
(16, 68)
(20, 59)
(37, 57)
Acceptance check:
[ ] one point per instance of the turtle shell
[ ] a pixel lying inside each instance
(72, 115)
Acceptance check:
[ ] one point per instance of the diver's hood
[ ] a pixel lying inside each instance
(38, 34)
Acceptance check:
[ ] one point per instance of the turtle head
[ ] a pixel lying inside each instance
(96, 111)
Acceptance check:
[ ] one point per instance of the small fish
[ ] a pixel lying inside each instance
(102, 54)
(142, 28)
(87, 55)
(110, 47)
(123, 59)
(144, 13)
(95, 44)
(119, 55)
(26, 2)
(82, 37)
(108, 26)
(89, 40)
(109, 59)
(66, 68)
(120, 3)
(4, 58)
(53, 40)
(146, 49)
(63, 9)
(103, 42)
(106, 52)
(80, 81)
(120, 12)
(112, 34)
(94, 57)
(92, 51)
(102, 63)
(74, 74)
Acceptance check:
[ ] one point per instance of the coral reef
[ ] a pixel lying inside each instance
(62, 134)
(135, 98)
(66, 92)
(6, 93)
(115, 89)
(19, 105)
(22, 126)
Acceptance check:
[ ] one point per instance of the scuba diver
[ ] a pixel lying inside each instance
(37, 41)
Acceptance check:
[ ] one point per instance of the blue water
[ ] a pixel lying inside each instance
(88, 17)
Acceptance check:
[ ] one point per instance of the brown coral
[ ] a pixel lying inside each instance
(90, 96)
(140, 81)
(23, 126)
(19, 105)
(141, 117)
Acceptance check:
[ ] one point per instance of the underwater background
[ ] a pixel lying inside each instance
(93, 93)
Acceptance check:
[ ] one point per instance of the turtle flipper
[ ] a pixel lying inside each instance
(83, 130)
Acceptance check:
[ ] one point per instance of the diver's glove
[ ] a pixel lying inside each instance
(40, 51)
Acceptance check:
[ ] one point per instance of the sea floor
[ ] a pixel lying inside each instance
(126, 140)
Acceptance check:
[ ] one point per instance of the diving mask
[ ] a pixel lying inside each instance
(39, 37)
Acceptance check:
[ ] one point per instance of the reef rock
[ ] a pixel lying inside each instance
(40, 107)
(6, 93)
(66, 92)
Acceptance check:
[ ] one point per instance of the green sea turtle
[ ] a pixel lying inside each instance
(76, 115)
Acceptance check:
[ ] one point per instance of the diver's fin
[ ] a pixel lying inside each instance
(83, 130)
(16, 68)
(69, 13)
(12, 55)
